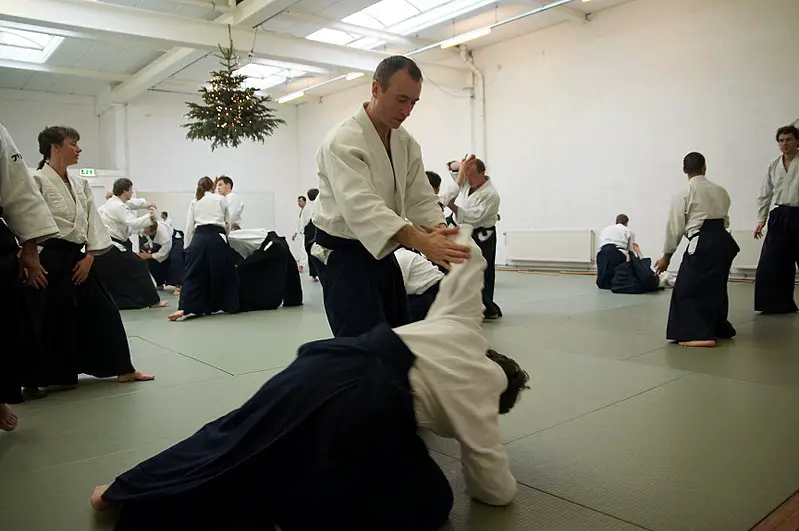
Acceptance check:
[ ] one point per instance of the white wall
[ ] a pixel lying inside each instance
(25, 114)
(162, 161)
(589, 120)
(440, 122)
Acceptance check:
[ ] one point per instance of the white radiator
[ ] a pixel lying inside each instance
(557, 246)
(750, 249)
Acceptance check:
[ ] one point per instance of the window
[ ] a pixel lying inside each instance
(403, 17)
(27, 46)
(263, 77)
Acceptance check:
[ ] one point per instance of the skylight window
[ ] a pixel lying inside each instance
(263, 77)
(403, 17)
(27, 46)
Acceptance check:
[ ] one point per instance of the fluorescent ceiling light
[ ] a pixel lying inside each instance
(290, 97)
(460, 39)
(27, 46)
(353, 75)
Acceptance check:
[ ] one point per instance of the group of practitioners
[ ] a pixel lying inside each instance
(343, 421)
(700, 213)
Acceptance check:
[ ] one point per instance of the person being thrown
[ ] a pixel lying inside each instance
(341, 425)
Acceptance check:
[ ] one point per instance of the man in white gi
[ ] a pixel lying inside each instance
(125, 275)
(235, 204)
(372, 182)
(475, 202)
(699, 302)
(615, 243)
(24, 217)
(776, 270)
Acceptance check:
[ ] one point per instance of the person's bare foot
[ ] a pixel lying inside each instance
(135, 377)
(8, 420)
(707, 343)
(161, 304)
(97, 501)
(174, 316)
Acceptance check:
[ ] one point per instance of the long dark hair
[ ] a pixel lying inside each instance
(54, 136)
(205, 184)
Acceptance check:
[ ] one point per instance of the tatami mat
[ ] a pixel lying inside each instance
(619, 431)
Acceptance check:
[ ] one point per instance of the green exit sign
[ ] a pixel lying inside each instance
(87, 173)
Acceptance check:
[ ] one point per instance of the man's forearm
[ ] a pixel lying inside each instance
(408, 236)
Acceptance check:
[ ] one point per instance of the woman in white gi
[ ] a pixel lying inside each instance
(775, 280)
(24, 217)
(77, 321)
(475, 202)
(699, 302)
(210, 283)
(332, 441)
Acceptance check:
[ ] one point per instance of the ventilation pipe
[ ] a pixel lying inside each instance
(478, 115)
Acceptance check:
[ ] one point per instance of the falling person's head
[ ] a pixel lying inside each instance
(151, 230)
(396, 87)
(694, 164)
(517, 380)
(788, 139)
(58, 146)
(313, 193)
(224, 185)
(123, 189)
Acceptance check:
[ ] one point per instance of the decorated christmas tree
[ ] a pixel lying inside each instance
(231, 112)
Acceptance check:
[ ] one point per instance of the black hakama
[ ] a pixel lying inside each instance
(776, 271)
(699, 302)
(486, 240)
(309, 234)
(79, 328)
(635, 276)
(420, 304)
(608, 259)
(328, 443)
(359, 290)
(127, 278)
(11, 319)
(210, 281)
(269, 278)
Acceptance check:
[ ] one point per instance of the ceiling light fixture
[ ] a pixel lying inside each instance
(465, 37)
(354, 75)
(291, 97)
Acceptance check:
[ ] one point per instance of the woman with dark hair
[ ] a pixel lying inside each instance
(210, 284)
(333, 441)
(79, 325)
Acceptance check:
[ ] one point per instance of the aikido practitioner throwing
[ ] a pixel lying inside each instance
(776, 270)
(371, 178)
(699, 302)
(475, 202)
(24, 217)
(332, 441)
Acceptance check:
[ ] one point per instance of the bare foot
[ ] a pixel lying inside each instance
(176, 292)
(97, 501)
(174, 316)
(135, 377)
(8, 420)
(709, 343)
(162, 304)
